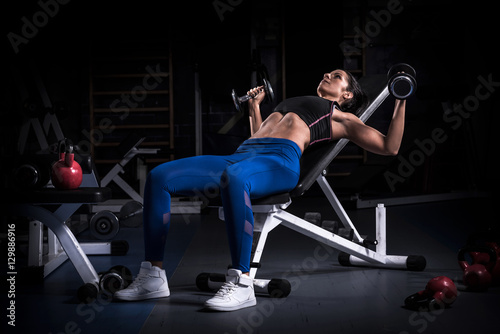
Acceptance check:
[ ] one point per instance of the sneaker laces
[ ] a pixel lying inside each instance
(141, 277)
(227, 289)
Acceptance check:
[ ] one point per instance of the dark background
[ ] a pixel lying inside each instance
(450, 45)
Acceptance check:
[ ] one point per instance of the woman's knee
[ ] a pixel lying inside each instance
(159, 176)
(153, 177)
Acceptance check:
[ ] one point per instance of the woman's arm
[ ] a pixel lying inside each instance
(255, 118)
(254, 108)
(374, 141)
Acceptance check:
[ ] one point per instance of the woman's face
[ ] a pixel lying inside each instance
(334, 86)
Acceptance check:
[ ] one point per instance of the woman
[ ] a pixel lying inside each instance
(266, 163)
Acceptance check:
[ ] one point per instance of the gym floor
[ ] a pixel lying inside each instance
(326, 297)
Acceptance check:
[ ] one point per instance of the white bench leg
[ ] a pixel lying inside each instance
(74, 251)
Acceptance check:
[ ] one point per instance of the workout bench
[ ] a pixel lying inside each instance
(53, 207)
(269, 212)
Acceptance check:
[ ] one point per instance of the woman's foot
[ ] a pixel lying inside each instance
(235, 294)
(150, 283)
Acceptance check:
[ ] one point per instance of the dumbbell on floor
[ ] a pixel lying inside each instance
(268, 89)
(275, 288)
(116, 278)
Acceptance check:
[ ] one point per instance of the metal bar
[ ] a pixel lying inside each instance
(328, 238)
(391, 261)
(337, 207)
(35, 251)
(380, 229)
(127, 188)
(97, 248)
(375, 104)
(402, 200)
(66, 238)
(263, 223)
(53, 245)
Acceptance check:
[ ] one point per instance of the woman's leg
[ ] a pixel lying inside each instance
(265, 171)
(187, 177)
(258, 176)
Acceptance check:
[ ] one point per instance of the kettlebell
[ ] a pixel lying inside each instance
(440, 292)
(66, 173)
(495, 270)
(476, 275)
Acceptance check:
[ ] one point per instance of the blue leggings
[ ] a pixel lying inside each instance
(258, 168)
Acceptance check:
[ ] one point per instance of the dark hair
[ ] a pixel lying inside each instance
(359, 100)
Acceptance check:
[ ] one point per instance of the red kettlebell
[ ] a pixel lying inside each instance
(66, 173)
(440, 292)
(476, 275)
(495, 270)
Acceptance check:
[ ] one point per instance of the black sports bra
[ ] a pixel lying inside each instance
(315, 111)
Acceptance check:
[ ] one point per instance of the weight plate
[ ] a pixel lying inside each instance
(111, 282)
(104, 225)
(124, 272)
(401, 86)
(269, 90)
(235, 100)
(401, 67)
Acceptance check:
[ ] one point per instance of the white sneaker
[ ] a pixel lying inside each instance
(150, 283)
(235, 294)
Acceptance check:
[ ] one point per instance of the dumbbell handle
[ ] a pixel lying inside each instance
(245, 98)
(132, 214)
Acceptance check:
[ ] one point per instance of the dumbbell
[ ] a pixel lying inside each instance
(116, 278)
(276, 287)
(105, 225)
(402, 83)
(239, 100)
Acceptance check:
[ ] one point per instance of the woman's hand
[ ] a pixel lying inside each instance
(257, 95)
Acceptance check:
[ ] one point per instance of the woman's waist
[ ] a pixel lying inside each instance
(271, 145)
(290, 127)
